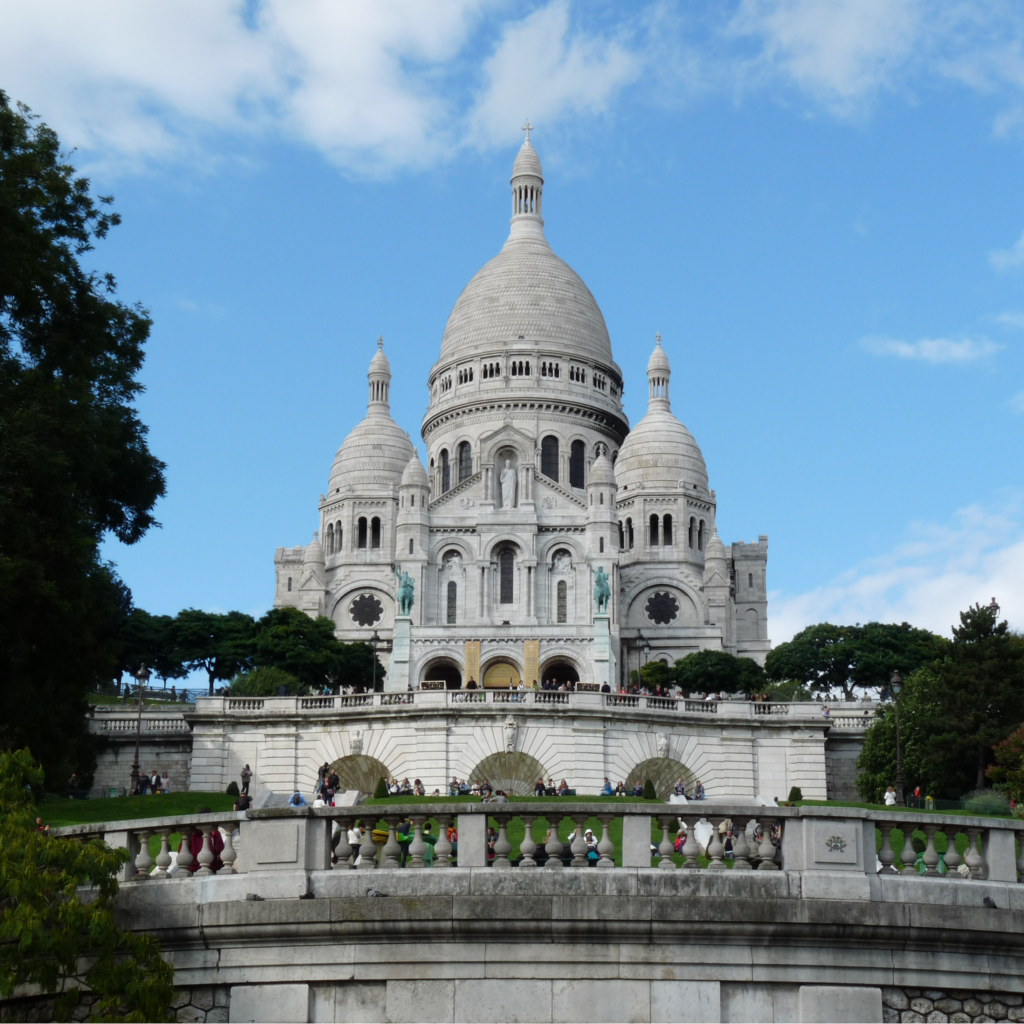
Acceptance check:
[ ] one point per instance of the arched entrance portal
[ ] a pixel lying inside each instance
(559, 671)
(514, 773)
(663, 772)
(501, 675)
(443, 668)
(360, 772)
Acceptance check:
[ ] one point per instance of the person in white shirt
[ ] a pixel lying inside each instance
(890, 797)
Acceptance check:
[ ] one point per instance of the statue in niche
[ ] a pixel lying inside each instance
(511, 732)
(406, 588)
(508, 485)
(452, 562)
(662, 741)
(562, 562)
(602, 591)
(355, 742)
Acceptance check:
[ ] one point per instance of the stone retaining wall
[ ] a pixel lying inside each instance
(958, 1006)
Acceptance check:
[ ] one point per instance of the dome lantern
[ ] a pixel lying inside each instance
(379, 377)
(527, 188)
(658, 373)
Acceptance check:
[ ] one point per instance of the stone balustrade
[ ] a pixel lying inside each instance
(824, 846)
(849, 717)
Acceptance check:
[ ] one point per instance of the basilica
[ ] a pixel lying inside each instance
(482, 564)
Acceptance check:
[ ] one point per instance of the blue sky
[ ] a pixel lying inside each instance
(820, 206)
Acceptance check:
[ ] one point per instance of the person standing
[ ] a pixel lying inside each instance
(246, 779)
(165, 784)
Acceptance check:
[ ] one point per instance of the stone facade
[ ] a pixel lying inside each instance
(534, 483)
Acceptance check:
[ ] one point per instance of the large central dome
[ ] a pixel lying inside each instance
(526, 292)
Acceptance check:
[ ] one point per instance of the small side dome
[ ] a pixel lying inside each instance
(716, 549)
(313, 553)
(415, 475)
(658, 361)
(379, 363)
(602, 471)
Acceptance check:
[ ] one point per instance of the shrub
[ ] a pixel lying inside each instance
(232, 789)
(649, 793)
(795, 794)
(986, 801)
(263, 681)
(381, 791)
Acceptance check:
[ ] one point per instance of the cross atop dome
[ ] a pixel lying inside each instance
(527, 128)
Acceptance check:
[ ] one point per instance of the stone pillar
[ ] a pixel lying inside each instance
(602, 651)
(472, 840)
(531, 662)
(398, 668)
(472, 662)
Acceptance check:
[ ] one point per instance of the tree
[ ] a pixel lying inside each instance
(74, 462)
(655, 674)
(827, 657)
(980, 688)
(264, 681)
(718, 672)
(288, 639)
(149, 640)
(220, 645)
(51, 936)
(1007, 774)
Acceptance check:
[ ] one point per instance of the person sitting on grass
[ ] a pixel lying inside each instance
(620, 789)
(538, 789)
(563, 788)
(606, 789)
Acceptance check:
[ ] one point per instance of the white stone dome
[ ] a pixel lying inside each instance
(602, 472)
(526, 292)
(414, 474)
(659, 453)
(313, 553)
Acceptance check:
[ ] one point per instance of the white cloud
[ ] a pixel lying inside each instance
(932, 350)
(1011, 319)
(1008, 259)
(1017, 403)
(926, 581)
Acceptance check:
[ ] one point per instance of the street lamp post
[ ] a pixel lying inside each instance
(374, 640)
(143, 677)
(896, 685)
(642, 646)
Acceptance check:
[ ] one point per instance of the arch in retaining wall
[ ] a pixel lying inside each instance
(357, 771)
(514, 772)
(663, 772)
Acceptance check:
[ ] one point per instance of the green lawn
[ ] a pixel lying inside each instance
(59, 811)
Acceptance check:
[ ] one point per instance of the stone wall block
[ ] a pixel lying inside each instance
(285, 1004)
(429, 1001)
(592, 1002)
(825, 1004)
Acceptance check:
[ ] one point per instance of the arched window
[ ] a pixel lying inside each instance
(549, 457)
(666, 529)
(622, 539)
(374, 532)
(693, 523)
(330, 539)
(412, 500)
(654, 531)
(453, 593)
(506, 570)
(700, 536)
(629, 533)
(446, 475)
(289, 584)
(563, 601)
(577, 454)
(750, 580)
(465, 461)
(411, 546)
(362, 531)
(337, 537)
(600, 544)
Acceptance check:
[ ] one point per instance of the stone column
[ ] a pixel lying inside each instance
(531, 662)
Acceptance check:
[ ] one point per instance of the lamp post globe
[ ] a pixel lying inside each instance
(896, 687)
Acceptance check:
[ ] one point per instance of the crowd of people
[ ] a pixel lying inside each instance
(152, 783)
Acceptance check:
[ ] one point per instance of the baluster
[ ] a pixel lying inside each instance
(974, 860)
(767, 849)
(665, 847)
(931, 855)
(185, 854)
(606, 848)
(443, 848)
(163, 858)
(691, 852)
(368, 848)
(909, 854)
(553, 847)
(228, 854)
(206, 855)
(417, 848)
(952, 859)
(528, 847)
(740, 846)
(716, 849)
(392, 849)
(502, 847)
(887, 855)
(143, 859)
(578, 846)
(342, 852)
